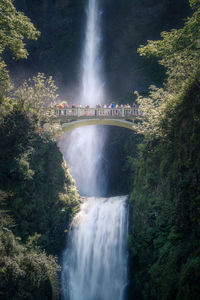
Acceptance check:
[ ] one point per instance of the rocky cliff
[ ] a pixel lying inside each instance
(126, 24)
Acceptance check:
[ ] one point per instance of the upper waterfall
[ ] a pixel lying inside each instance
(92, 85)
(83, 149)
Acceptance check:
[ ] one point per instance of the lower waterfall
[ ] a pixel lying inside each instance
(94, 264)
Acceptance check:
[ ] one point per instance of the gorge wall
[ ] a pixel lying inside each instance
(126, 24)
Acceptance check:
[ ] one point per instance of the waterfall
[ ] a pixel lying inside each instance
(93, 91)
(84, 148)
(95, 262)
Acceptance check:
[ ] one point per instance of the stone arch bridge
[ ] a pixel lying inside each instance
(71, 118)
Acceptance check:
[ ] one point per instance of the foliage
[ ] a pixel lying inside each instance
(38, 197)
(32, 168)
(164, 239)
(179, 52)
(165, 207)
(25, 273)
(37, 97)
(15, 27)
(194, 3)
(5, 219)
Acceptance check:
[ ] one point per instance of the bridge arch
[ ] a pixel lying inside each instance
(67, 126)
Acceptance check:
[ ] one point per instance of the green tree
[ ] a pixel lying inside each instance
(164, 239)
(179, 52)
(43, 197)
(36, 97)
(26, 273)
(15, 27)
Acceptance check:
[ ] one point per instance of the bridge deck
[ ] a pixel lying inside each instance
(71, 118)
(91, 113)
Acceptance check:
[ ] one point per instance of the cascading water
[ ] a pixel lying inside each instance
(95, 260)
(93, 91)
(94, 265)
(85, 145)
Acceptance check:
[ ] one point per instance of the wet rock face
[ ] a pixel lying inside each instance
(126, 24)
(58, 49)
(62, 3)
(129, 24)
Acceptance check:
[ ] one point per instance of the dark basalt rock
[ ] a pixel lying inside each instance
(128, 24)
(57, 51)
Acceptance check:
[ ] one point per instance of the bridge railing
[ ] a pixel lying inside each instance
(78, 112)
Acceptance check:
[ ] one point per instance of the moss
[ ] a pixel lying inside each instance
(42, 189)
(165, 208)
(25, 273)
(41, 198)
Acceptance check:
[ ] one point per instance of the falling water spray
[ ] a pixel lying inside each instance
(84, 149)
(94, 265)
(92, 83)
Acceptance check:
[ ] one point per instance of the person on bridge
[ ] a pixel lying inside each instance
(65, 104)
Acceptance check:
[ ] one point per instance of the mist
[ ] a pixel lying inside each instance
(83, 148)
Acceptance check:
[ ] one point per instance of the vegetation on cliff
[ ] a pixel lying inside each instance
(41, 199)
(37, 194)
(165, 207)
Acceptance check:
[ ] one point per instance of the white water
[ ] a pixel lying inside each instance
(94, 265)
(83, 150)
(95, 262)
(93, 91)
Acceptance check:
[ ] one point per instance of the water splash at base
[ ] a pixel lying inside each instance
(95, 262)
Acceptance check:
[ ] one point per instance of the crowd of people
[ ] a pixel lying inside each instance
(112, 109)
(112, 105)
